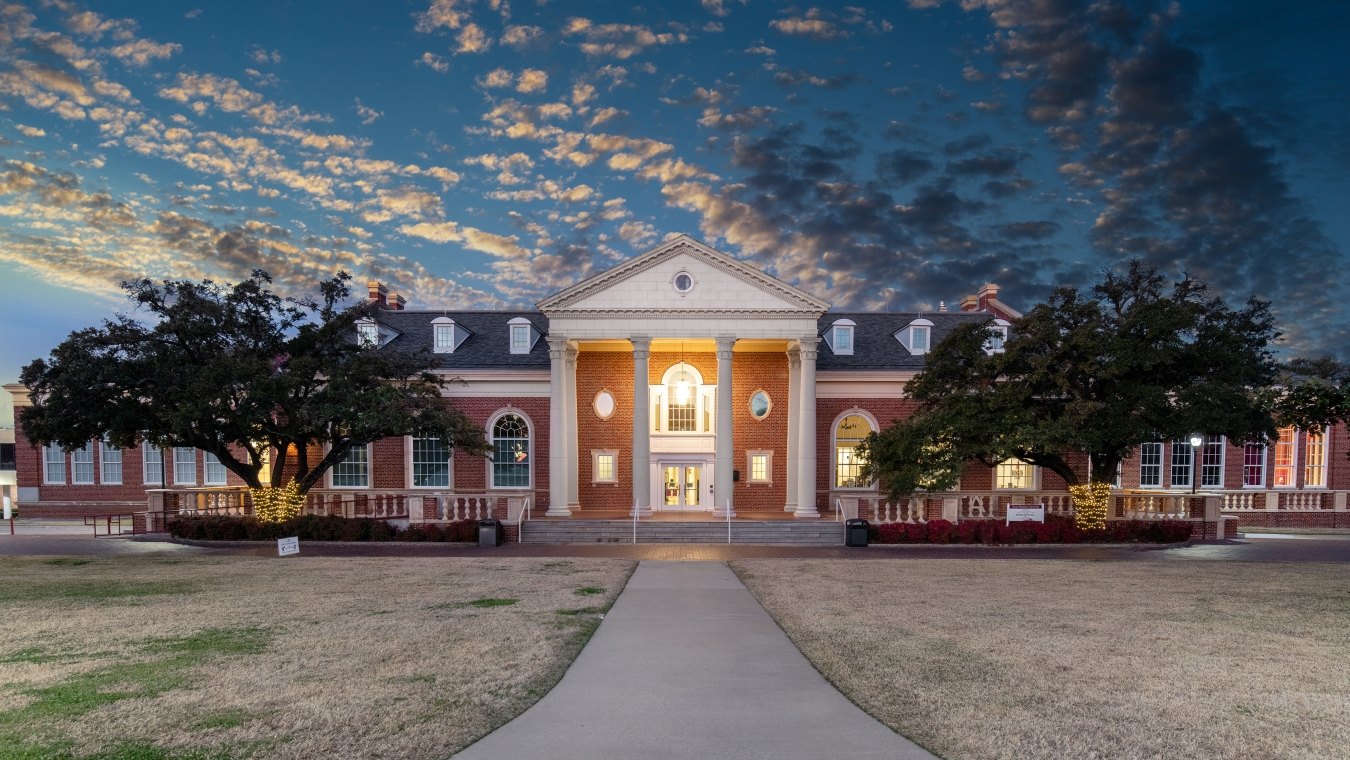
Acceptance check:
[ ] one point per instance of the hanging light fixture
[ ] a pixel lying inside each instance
(682, 385)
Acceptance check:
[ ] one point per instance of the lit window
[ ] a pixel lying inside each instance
(1283, 471)
(1150, 465)
(1315, 471)
(110, 463)
(430, 463)
(152, 470)
(1014, 474)
(367, 334)
(1254, 466)
(1182, 456)
(214, 471)
(354, 470)
(605, 466)
(761, 464)
(520, 339)
(444, 338)
(184, 466)
(53, 465)
(1211, 462)
(510, 452)
(82, 465)
(848, 463)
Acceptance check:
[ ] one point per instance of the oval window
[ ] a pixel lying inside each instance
(760, 405)
(684, 282)
(603, 405)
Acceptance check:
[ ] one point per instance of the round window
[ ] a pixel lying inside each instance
(684, 282)
(603, 405)
(760, 405)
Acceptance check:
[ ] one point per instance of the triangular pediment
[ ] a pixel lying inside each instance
(654, 283)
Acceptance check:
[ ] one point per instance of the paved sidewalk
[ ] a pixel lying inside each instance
(688, 665)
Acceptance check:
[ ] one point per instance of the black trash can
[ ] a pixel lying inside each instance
(489, 532)
(855, 532)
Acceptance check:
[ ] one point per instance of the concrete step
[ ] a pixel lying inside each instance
(742, 532)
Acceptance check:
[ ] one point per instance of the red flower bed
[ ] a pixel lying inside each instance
(316, 528)
(1055, 530)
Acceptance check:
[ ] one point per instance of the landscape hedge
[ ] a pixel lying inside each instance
(1055, 530)
(316, 528)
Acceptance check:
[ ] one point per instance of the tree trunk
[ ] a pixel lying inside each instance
(1091, 504)
(278, 503)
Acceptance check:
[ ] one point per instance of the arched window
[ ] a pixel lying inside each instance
(850, 431)
(511, 452)
(683, 404)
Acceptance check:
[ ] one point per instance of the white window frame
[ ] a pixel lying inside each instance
(996, 346)
(514, 328)
(179, 462)
(838, 329)
(1178, 447)
(750, 457)
(149, 455)
(108, 456)
(1265, 454)
(1033, 478)
(1159, 448)
(1293, 459)
(906, 336)
(440, 327)
(529, 450)
(209, 461)
(1213, 442)
(834, 448)
(367, 333)
(333, 471)
(53, 456)
(410, 444)
(1308, 460)
(77, 461)
(702, 396)
(596, 456)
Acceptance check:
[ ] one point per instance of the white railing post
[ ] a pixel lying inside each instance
(728, 520)
(635, 516)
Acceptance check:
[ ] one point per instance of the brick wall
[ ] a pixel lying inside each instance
(768, 372)
(828, 411)
(611, 371)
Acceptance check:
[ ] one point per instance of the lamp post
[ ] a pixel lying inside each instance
(1197, 441)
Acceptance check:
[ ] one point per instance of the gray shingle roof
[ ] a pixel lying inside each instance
(487, 347)
(874, 343)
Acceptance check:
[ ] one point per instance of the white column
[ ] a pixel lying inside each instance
(794, 358)
(570, 422)
(806, 426)
(557, 428)
(724, 451)
(642, 442)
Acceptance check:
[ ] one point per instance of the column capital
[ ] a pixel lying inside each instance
(642, 346)
(571, 352)
(725, 343)
(557, 346)
(794, 353)
(807, 347)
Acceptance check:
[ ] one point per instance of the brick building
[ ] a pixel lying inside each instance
(684, 380)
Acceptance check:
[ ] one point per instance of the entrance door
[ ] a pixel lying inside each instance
(681, 486)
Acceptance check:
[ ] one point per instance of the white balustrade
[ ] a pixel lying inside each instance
(1157, 506)
(1301, 501)
(909, 510)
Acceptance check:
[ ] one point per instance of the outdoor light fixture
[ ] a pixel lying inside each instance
(682, 385)
(1197, 441)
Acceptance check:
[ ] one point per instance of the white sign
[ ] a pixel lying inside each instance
(1026, 513)
(8, 513)
(288, 546)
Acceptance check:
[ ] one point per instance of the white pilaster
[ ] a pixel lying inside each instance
(557, 428)
(806, 441)
(724, 449)
(570, 422)
(794, 401)
(642, 442)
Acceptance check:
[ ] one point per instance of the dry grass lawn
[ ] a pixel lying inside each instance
(296, 658)
(1056, 659)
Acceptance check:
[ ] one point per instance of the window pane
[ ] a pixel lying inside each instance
(920, 339)
(368, 334)
(354, 471)
(848, 464)
(1254, 465)
(1014, 474)
(430, 463)
(604, 467)
(445, 337)
(1181, 464)
(82, 464)
(520, 339)
(759, 467)
(1315, 472)
(1150, 464)
(184, 466)
(110, 458)
(53, 464)
(843, 339)
(683, 410)
(1284, 459)
(1211, 462)
(510, 453)
(215, 471)
(1000, 336)
(153, 469)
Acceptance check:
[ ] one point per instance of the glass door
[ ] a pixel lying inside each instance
(681, 486)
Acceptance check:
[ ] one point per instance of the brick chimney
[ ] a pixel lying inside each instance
(987, 293)
(397, 302)
(378, 294)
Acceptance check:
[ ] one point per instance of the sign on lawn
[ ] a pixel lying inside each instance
(288, 546)
(1026, 513)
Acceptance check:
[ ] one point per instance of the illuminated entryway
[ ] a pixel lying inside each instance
(681, 486)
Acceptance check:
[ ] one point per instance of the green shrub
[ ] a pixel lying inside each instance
(316, 528)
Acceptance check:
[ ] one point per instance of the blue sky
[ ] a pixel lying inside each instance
(486, 153)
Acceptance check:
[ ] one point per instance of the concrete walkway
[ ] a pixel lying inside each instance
(688, 665)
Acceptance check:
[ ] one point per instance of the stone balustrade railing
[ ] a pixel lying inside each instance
(954, 506)
(1257, 500)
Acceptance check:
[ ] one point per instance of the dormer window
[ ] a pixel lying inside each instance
(917, 336)
(840, 336)
(998, 336)
(446, 335)
(523, 335)
(367, 333)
